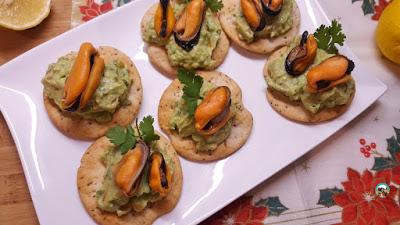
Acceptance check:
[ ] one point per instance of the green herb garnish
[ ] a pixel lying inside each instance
(125, 138)
(214, 5)
(191, 90)
(147, 130)
(327, 37)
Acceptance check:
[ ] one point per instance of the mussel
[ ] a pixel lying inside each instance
(160, 176)
(214, 111)
(253, 13)
(187, 28)
(164, 19)
(301, 56)
(257, 12)
(272, 7)
(128, 171)
(83, 79)
(330, 73)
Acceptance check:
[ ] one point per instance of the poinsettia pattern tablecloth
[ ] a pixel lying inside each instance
(334, 183)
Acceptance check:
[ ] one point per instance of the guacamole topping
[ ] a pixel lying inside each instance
(201, 55)
(275, 27)
(295, 87)
(184, 124)
(149, 35)
(111, 93)
(111, 199)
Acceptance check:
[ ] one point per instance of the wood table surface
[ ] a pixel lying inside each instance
(16, 206)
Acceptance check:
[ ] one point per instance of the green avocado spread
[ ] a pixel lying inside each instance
(276, 25)
(295, 87)
(111, 199)
(201, 55)
(111, 93)
(183, 124)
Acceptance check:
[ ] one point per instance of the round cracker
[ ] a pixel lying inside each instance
(186, 147)
(158, 55)
(89, 180)
(294, 110)
(79, 128)
(263, 45)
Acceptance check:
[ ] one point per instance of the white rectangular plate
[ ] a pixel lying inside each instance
(50, 159)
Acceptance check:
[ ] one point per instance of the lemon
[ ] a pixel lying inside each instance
(388, 32)
(23, 14)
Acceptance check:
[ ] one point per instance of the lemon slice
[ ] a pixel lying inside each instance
(23, 14)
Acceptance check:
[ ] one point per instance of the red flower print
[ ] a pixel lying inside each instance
(392, 175)
(379, 8)
(239, 212)
(92, 9)
(360, 204)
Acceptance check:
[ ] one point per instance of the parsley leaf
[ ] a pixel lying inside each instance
(191, 90)
(191, 104)
(130, 130)
(123, 138)
(116, 135)
(129, 143)
(185, 76)
(214, 5)
(327, 37)
(147, 130)
(126, 138)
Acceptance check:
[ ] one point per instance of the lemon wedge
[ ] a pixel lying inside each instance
(23, 14)
(388, 32)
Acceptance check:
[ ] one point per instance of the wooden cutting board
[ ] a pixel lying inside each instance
(16, 206)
